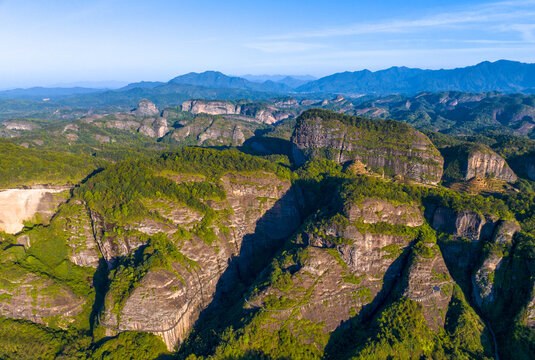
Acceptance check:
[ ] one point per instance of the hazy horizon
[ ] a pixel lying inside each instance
(60, 42)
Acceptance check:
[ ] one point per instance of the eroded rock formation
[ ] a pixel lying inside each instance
(408, 154)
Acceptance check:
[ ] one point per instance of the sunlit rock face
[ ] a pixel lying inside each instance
(19, 205)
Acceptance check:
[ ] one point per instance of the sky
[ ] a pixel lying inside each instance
(51, 42)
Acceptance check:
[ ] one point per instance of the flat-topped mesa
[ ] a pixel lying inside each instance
(211, 107)
(466, 161)
(386, 147)
(264, 113)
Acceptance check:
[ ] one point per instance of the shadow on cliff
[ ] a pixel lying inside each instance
(226, 310)
(266, 145)
(353, 333)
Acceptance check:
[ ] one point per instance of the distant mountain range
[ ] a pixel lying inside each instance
(503, 76)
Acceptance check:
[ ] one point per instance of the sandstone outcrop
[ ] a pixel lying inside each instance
(371, 211)
(464, 162)
(155, 128)
(346, 269)
(211, 107)
(485, 289)
(213, 131)
(268, 114)
(20, 125)
(262, 211)
(31, 297)
(386, 147)
(146, 108)
(489, 164)
(19, 205)
(428, 282)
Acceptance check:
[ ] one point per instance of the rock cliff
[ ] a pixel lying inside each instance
(385, 147)
(36, 204)
(146, 108)
(264, 113)
(346, 269)
(261, 211)
(464, 162)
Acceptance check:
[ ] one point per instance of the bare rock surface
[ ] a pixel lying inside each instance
(146, 108)
(19, 205)
(428, 281)
(488, 163)
(377, 210)
(414, 157)
(264, 210)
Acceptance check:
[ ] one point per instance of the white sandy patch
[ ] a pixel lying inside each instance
(18, 205)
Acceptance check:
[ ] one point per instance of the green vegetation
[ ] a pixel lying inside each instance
(146, 184)
(130, 345)
(391, 129)
(159, 253)
(20, 166)
(363, 187)
(213, 163)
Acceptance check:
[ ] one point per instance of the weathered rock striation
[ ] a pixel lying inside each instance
(464, 162)
(261, 211)
(268, 114)
(347, 268)
(385, 147)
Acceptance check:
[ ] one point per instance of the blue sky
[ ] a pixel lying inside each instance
(46, 42)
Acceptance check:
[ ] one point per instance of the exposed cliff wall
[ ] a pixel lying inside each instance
(385, 147)
(261, 210)
(348, 267)
(146, 108)
(20, 205)
(427, 281)
(464, 162)
(268, 114)
(210, 131)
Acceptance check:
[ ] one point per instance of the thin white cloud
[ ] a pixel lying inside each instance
(489, 13)
(526, 30)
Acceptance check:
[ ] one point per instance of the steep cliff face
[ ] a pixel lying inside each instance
(155, 128)
(259, 211)
(371, 211)
(464, 162)
(468, 232)
(211, 107)
(485, 285)
(146, 120)
(146, 108)
(20, 205)
(489, 164)
(81, 236)
(38, 280)
(347, 268)
(214, 131)
(427, 281)
(267, 114)
(39, 299)
(385, 147)
(461, 224)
